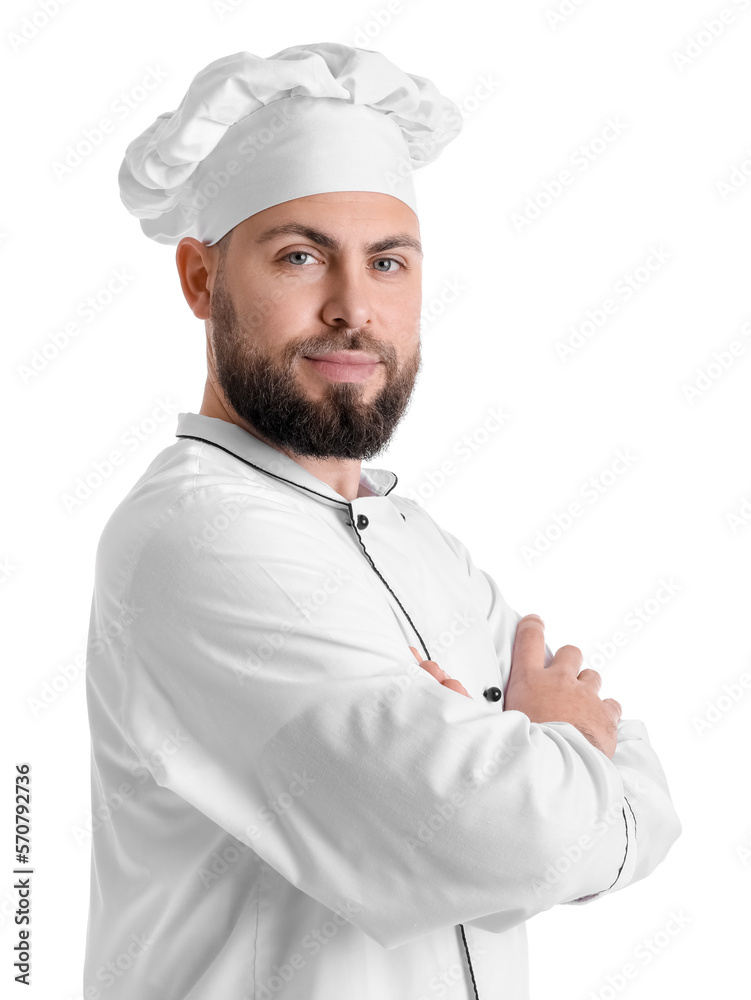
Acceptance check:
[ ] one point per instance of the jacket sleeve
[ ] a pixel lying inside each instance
(310, 733)
(628, 837)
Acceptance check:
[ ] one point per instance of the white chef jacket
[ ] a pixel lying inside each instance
(286, 804)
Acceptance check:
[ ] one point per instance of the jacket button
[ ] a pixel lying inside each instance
(362, 521)
(493, 694)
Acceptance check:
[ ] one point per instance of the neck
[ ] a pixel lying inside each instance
(341, 474)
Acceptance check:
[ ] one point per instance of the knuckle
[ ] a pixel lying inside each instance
(570, 650)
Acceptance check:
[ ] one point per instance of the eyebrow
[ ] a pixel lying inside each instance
(330, 243)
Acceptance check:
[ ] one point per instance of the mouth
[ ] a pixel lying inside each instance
(345, 366)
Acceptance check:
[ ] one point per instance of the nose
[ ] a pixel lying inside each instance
(346, 297)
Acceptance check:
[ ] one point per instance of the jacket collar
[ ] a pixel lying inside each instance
(250, 449)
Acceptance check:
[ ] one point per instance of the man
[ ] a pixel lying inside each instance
(305, 791)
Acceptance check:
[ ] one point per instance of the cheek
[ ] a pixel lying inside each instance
(410, 320)
(403, 307)
(273, 313)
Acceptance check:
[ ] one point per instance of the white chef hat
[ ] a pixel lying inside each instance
(253, 132)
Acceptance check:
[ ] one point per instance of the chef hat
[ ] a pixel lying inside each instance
(253, 132)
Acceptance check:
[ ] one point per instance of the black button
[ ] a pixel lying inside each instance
(362, 521)
(493, 694)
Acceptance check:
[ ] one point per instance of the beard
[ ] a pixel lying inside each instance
(263, 389)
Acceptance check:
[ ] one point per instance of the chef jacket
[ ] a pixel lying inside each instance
(285, 803)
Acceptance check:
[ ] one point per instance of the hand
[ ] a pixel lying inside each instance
(559, 692)
(440, 675)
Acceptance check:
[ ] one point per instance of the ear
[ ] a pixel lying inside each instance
(196, 265)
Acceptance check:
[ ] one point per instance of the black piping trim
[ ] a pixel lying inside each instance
(344, 503)
(592, 895)
(632, 814)
(348, 504)
(383, 580)
(428, 657)
(625, 823)
(469, 962)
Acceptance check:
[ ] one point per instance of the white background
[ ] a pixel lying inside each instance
(532, 92)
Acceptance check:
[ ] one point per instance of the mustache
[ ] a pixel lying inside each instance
(315, 347)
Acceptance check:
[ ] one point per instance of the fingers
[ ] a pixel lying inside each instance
(615, 707)
(528, 653)
(431, 666)
(569, 656)
(440, 675)
(592, 677)
(456, 686)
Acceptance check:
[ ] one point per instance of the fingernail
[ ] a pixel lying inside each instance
(537, 617)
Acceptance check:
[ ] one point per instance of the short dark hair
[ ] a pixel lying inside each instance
(223, 244)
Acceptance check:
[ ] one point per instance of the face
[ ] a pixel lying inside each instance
(348, 287)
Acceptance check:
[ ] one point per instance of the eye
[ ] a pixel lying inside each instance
(391, 260)
(297, 253)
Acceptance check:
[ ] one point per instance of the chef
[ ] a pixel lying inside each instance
(318, 775)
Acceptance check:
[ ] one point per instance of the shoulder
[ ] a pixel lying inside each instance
(183, 508)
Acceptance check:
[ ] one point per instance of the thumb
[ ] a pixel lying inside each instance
(528, 652)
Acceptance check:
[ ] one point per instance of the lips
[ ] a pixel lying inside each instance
(346, 358)
(345, 366)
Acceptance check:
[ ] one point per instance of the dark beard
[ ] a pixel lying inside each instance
(263, 390)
